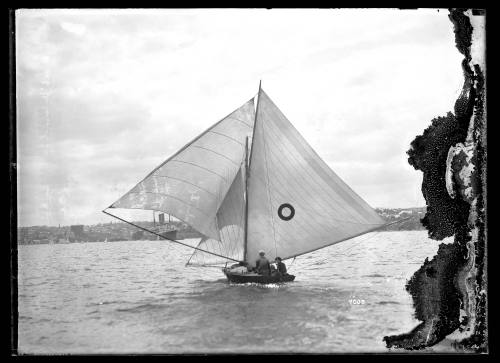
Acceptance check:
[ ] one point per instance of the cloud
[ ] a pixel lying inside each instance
(104, 96)
(77, 29)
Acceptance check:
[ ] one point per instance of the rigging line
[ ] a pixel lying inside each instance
(229, 137)
(217, 153)
(228, 245)
(368, 237)
(234, 211)
(201, 167)
(171, 240)
(219, 245)
(192, 255)
(268, 186)
(334, 242)
(248, 160)
(195, 255)
(236, 246)
(199, 255)
(197, 265)
(226, 239)
(234, 225)
(241, 221)
(245, 196)
(227, 220)
(289, 154)
(254, 125)
(342, 240)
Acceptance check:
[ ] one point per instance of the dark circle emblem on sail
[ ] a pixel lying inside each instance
(289, 215)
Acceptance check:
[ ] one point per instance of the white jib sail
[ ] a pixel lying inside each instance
(192, 184)
(231, 224)
(296, 203)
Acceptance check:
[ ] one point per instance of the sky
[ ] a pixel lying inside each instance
(104, 96)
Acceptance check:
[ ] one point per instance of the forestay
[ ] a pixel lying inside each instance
(192, 184)
(296, 204)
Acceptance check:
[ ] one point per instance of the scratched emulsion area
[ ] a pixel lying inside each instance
(449, 291)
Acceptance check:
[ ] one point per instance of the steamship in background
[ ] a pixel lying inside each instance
(167, 230)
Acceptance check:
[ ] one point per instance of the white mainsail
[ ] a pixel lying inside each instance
(296, 203)
(192, 184)
(287, 201)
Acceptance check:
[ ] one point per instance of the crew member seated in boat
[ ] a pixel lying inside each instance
(281, 266)
(262, 264)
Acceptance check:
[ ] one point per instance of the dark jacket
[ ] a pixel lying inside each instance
(263, 266)
(281, 267)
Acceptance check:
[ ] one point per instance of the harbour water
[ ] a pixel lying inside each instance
(138, 297)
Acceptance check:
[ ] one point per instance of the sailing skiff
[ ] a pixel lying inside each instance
(251, 182)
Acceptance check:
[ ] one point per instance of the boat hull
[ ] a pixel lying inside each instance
(244, 278)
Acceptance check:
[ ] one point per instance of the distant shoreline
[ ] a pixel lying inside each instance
(120, 231)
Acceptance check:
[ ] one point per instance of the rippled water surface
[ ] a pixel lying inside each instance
(138, 297)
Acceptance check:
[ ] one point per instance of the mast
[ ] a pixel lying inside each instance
(246, 201)
(247, 172)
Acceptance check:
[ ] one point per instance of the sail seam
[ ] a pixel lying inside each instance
(201, 167)
(233, 211)
(246, 111)
(217, 153)
(229, 137)
(243, 122)
(196, 139)
(226, 234)
(185, 181)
